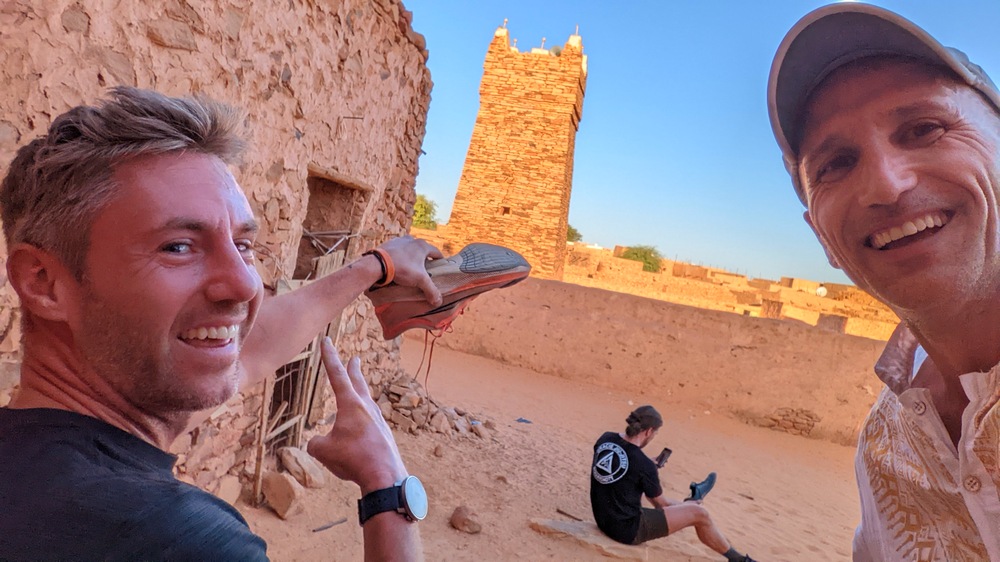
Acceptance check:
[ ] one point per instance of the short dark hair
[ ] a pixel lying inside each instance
(641, 419)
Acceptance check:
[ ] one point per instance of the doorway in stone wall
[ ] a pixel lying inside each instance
(330, 230)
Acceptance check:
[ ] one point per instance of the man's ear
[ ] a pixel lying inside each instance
(829, 257)
(45, 285)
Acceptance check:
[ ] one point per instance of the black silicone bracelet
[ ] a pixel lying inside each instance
(381, 263)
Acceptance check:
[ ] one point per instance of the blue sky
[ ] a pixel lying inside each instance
(675, 148)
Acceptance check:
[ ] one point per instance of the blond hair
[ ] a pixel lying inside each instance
(58, 183)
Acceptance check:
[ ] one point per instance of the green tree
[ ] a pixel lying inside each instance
(572, 234)
(423, 213)
(648, 255)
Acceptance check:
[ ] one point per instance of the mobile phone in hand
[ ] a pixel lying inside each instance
(661, 459)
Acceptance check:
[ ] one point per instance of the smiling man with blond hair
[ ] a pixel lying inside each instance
(131, 249)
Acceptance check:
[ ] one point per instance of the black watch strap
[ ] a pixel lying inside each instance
(386, 499)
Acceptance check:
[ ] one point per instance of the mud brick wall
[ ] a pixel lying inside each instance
(690, 271)
(799, 284)
(518, 174)
(851, 313)
(824, 379)
(762, 284)
(832, 322)
(795, 313)
(870, 328)
(341, 87)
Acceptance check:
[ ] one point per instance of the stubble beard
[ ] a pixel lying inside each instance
(126, 355)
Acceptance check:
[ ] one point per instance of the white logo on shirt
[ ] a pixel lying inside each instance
(611, 465)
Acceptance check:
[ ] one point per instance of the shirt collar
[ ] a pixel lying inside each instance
(895, 366)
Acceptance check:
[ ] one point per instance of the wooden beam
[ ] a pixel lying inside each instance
(281, 428)
(277, 416)
(261, 444)
(315, 170)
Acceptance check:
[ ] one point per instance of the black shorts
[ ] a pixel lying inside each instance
(652, 525)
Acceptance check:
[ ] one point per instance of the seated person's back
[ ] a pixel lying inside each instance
(620, 474)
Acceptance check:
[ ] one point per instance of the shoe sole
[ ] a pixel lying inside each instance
(477, 268)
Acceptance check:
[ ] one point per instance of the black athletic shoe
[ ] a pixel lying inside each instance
(701, 489)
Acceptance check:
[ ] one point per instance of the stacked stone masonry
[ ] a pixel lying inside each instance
(845, 309)
(797, 421)
(518, 174)
(342, 87)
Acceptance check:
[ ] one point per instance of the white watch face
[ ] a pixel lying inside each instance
(415, 497)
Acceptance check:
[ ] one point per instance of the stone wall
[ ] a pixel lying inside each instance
(804, 285)
(337, 96)
(772, 373)
(515, 185)
(715, 289)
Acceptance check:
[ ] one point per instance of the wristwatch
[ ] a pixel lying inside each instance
(406, 497)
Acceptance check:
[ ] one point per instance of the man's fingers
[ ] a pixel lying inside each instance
(335, 370)
(434, 253)
(430, 290)
(357, 377)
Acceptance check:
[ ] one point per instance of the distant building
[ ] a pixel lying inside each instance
(515, 186)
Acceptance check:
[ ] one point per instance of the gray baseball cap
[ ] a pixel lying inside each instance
(837, 34)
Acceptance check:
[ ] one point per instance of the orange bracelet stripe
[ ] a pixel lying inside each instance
(390, 268)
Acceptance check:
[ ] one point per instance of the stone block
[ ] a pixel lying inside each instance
(229, 489)
(303, 467)
(440, 423)
(399, 390)
(283, 493)
(223, 464)
(386, 408)
(479, 430)
(203, 479)
(465, 520)
(402, 422)
(587, 534)
(171, 34)
(409, 400)
(420, 417)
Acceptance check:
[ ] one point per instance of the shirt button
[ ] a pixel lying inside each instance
(972, 483)
(919, 408)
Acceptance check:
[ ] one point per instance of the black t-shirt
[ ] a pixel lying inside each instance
(619, 475)
(75, 488)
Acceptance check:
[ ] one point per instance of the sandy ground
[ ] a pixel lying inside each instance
(779, 497)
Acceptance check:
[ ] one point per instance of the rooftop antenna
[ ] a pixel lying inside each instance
(577, 29)
(515, 42)
(505, 23)
(543, 43)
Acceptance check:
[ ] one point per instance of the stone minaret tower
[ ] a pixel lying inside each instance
(518, 173)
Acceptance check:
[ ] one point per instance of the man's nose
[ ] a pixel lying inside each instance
(890, 175)
(231, 276)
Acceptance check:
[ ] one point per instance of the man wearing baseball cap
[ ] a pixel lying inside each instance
(893, 145)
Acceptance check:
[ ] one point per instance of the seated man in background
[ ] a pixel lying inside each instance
(131, 248)
(621, 474)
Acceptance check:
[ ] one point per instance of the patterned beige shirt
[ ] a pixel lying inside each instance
(921, 498)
